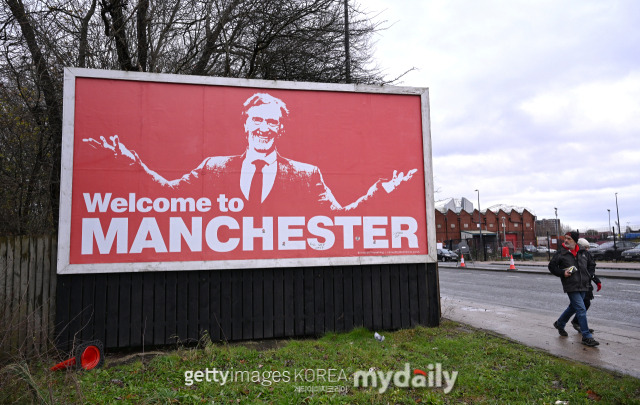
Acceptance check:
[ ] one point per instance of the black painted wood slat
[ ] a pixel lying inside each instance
(329, 316)
(414, 297)
(385, 281)
(214, 306)
(376, 298)
(63, 312)
(192, 307)
(113, 315)
(433, 289)
(298, 302)
(256, 313)
(247, 304)
(309, 310)
(236, 305)
(278, 303)
(396, 314)
(159, 310)
(147, 308)
(404, 298)
(290, 310)
(100, 306)
(170, 306)
(318, 301)
(358, 314)
(88, 298)
(267, 297)
(347, 293)
(153, 308)
(226, 313)
(75, 305)
(338, 299)
(203, 303)
(367, 302)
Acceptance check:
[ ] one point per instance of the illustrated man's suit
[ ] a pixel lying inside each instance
(296, 183)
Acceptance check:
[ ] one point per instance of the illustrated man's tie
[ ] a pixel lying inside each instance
(255, 191)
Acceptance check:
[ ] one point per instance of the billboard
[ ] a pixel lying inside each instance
(169, 172)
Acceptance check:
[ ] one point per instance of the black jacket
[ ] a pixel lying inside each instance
(578, 281)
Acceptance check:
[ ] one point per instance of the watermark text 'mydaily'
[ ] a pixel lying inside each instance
(432, 378)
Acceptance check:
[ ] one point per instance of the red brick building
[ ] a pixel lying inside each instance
(457, 222)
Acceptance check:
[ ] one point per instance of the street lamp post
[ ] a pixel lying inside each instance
(618, 213)
(480, 226)
(557, 233)
(609, 211)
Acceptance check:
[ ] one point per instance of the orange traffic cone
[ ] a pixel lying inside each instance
(462, 260)
(512, 265)
(87, 356)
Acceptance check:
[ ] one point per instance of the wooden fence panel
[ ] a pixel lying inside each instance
(27, 291)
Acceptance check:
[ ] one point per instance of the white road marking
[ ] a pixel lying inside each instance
(631, 291)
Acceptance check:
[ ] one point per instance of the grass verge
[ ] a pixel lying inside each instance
(490, 370)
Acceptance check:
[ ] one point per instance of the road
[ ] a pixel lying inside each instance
(618, 302)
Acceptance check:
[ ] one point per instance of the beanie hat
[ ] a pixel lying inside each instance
(575, 235)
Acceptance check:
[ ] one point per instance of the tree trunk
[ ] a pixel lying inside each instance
(53, 110)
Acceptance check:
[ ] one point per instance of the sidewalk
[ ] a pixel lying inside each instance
(619, 343)
(618, 349)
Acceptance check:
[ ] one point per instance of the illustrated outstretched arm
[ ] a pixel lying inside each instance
(120, 151)
(386, 185)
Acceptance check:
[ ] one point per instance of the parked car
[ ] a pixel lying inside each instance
(543, 249)
(527, 255)
(445, 255)
(631, 254)
(530, 249)
(593, 245)
(606, 251)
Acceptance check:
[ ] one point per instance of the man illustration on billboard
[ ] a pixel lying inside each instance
(260, 172)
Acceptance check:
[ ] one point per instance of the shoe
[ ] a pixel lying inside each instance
(576, 326)
(561, 331)
(591, 342)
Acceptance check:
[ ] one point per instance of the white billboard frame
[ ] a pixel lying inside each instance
(64, 230)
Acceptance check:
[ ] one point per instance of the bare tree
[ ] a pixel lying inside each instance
(301, 40)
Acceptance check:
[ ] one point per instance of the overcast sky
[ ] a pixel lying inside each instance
(535, 103)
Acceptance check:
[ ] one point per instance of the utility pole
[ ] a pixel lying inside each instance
(347, 57)
(480, 226)
(557, 233)
(618, 213)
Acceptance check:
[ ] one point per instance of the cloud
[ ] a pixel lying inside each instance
(604, 106)
(534, 103)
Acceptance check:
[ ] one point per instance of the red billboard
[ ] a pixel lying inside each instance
(167, 172)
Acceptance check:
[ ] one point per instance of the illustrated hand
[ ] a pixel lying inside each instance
(390, 185)
(116, 147)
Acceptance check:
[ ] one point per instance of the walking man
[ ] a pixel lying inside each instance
(573, 270)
